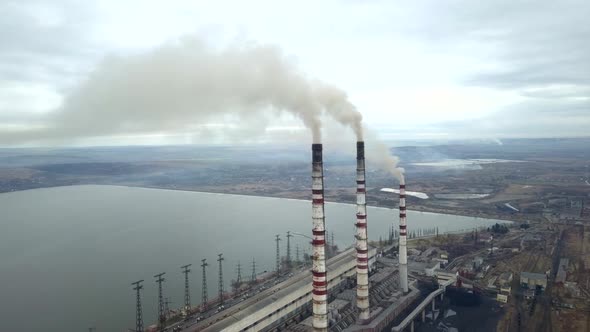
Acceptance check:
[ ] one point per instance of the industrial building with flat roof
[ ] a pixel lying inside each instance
(533, 280)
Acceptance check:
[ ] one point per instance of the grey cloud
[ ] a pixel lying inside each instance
(530, 43)
(533, 118)
(35, 48)
(559, 92)
(543, 43)
(538, 49)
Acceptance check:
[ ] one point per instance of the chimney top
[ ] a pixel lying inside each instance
(360, 150)
(316, 152)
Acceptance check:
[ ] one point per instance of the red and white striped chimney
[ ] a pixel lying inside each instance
(403, 252)
(362, 251)
(320, 280)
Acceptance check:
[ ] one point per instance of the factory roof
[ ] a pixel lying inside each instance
(534, 276)
(431, 265)
(506, 276)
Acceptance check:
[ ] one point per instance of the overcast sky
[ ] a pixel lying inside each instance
(417, 69)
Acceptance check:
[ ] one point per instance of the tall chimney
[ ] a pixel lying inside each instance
(403, 252)
(320, 281)
(362, 256)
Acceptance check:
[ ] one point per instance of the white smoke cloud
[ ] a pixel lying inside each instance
(181, 85)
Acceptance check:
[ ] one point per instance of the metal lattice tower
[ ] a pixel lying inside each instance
(167, 307)
(297, 253)
(204, 290)
(161, 304)
(187, 293)
(253, 270)
(239, 279)
(278, 268)
(138, 314)
(289, 236)
(220, 260)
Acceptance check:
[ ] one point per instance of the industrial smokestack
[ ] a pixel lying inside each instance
(403, 253)
(320, 280)
(362, 256)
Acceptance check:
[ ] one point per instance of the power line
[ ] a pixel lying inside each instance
(167, 307)
(239, 279)
(187, 294)
(253, 270)
(161, 311)
(239, 273)
(204, 290)
(278, 268)
(138, 314)
(289, 236)
(333, 243)
(220, 259)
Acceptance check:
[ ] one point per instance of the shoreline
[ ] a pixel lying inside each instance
(421, 209)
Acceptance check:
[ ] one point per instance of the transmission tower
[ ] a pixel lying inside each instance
(167, 307)
(138, 314)
(289, 236)
(220, 259)
(253, 270)
(187, 294)
(161, 311)
(297, 253)
(239, 279)
(278, 268)
(204, 290)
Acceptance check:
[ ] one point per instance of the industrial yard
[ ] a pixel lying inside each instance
(524, 275)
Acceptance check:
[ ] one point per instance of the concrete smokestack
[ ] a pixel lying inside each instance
(403, 252)
(362, 256)
(320, 280)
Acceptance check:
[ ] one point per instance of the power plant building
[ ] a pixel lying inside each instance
(533, 280)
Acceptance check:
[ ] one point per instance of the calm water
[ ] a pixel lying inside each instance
(69, 254)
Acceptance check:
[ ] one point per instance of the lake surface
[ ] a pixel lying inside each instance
(68, 255)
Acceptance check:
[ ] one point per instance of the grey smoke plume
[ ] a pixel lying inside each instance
(379, 154)
(338, 107)
(181, 85)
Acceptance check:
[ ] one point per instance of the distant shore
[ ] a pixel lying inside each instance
(296, 197)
